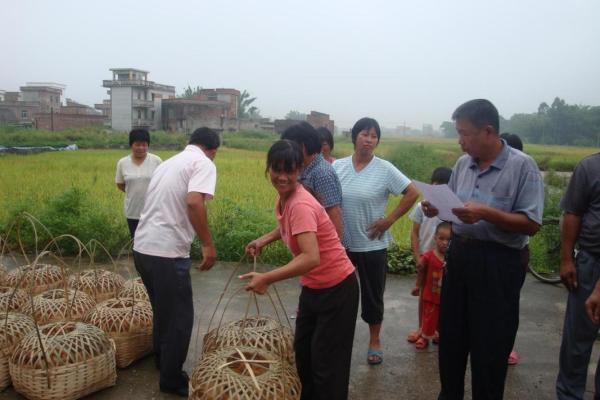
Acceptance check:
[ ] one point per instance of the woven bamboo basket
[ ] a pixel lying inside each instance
(3, 275)
(135, 289)
(13, 326)
(57, 305)
(256, 331)
(72, 360)
(225, 374)
(129, 324)
(36, 279)
(98, 283)
(11, 299)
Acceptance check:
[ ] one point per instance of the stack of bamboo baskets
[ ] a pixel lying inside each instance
(46, 349)
(247, 359)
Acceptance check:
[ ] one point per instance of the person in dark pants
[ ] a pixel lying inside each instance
(329, 297)
(367, 183)
(581, 225)
(503, 195)
(173, 212)
(133, 176)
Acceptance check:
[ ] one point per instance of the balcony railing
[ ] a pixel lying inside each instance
(143, 103)
(142, 122)
(137, 83)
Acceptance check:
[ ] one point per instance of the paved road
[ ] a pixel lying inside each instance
(405, 373)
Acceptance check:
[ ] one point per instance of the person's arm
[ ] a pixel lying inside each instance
(592, 305)
(308, 258)
(569, 231)
(254, 248)
(335, 215)
(409, 197)
(516, 222)
(121, 187)
(414, 241)
(197, 214)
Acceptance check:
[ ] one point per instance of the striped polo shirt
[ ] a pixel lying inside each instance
(364, 198)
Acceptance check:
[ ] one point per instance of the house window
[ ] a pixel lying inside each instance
(152, 115)
(24, 114)
(139, 114)
(139, 95)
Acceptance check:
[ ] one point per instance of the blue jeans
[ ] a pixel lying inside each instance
(579, 334)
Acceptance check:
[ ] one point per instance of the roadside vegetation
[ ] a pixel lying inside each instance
(74, 192)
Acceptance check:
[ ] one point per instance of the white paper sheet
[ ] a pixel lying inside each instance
(442, 198)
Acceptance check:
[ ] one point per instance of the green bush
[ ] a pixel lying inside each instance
(400, 260)
(85, 138)
(72, 212)
(250, 140)
(416, 161)
(234, 225)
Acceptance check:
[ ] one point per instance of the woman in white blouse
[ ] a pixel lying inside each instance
(133, 175)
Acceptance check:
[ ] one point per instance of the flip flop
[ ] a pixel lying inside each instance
(374, 357)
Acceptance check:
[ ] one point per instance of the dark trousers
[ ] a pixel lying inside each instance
(132, 225)
(324, 337)
(479, 315)
(579, 334)
(170, 290)
(372, 271)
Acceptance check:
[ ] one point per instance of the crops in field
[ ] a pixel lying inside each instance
(74, 192)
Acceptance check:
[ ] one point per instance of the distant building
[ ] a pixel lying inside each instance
(229, 96)
(281, 125)
(73, 115)
(48, 94)
(40, 105)
(217, 109)
(104, 108)
(315, 118)
(319, 119)
(136, 102)
(21, 108)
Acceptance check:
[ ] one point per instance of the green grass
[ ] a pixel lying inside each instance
(74, 192)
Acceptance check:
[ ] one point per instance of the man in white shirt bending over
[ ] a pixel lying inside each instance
(174, 211)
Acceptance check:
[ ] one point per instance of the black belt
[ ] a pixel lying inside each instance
(471, 241)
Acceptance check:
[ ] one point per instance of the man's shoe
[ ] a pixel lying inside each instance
(181, 391)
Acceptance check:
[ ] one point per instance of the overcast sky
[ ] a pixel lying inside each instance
(398, 61)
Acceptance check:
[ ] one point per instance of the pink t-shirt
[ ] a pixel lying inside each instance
(303, 213)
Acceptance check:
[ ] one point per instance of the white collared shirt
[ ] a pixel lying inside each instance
(165, 229)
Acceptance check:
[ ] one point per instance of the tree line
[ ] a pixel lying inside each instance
(558, 123)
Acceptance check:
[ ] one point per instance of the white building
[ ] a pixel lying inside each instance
(135, 102)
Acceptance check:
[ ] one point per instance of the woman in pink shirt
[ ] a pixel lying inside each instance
(329, 297)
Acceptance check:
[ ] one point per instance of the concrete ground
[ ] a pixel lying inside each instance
(405, 373)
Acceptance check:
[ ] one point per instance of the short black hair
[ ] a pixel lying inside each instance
(326, 136)
(206, 138)
(305, 134)
(443, 225)
(285, 156)
(513, 140)
(480, 112)
(441, 175)
(365, 123)
(139, 135)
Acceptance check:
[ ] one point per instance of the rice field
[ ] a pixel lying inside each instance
(244, 200)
